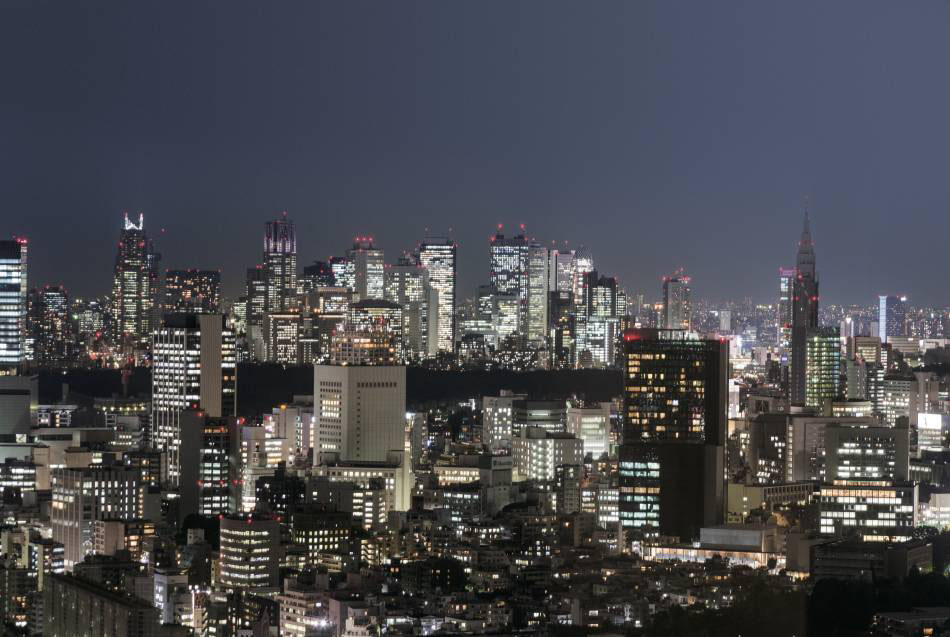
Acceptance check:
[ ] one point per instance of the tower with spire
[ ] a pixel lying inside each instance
(804, 311)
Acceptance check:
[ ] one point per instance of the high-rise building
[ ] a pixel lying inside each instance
(344, 273)
(438, 256)
(368, 269)
(318, 275)
(136, 284)
(359, 411)
(250, 552)
(193, 367)
(822, 367)
(537, 295)
(598, 322)
(371, 335)
(538, 452)
(84, 495)
(210, 459)
(672, 457)
(282, 337)
(51, 326)
(783, 319)
(280, 265)
(590, 423)
(581, 266)
(561, 270)
(676, 302)
(13, 292)
(192, 291)
(804, 313)
(407, 284)
(509, 271)
(892, 317)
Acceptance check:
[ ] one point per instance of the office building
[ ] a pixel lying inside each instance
(250, 552)
(407, 284)
(676, 302)
(783, 319)
(83, 495)
(13, 291)
(280, 265)
(317, 275)
(210, 463)
(892, 317)
(193, 367)
(510, 274)
(672, 457)
(368, 269)
(192, 291)
(371, 335)
(590, 423)
(359, 411)
(74, 606)
(438, 256)
(282, 337)
(804, 314)
(582, 265)
(51, 327)
(538, 452)
(823, 368)
(537, 295)
(135, 286)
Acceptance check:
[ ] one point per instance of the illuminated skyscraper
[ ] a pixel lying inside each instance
(822, 367)
(193, 367)
(804, 313)
(438, 256)
(192, 291)
(280, 265)
(561, 270)
(368, 269)
(344, 275)
(407, 284)
(135, 286)
(581, 266)
(892, 313)
(671, 460)
(676, 302)
(318, 275)
(510, 274)
(783, 318)
(13, 290)
(537, 296)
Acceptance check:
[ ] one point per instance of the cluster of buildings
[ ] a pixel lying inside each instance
(786, 442)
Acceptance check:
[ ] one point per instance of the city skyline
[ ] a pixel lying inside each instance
(730, 150)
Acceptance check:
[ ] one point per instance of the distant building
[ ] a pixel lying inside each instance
(676, 303)
(438, 256)
(13, 292)
(197, 291)
(892, 317)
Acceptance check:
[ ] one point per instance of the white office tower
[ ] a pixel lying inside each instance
(193, 367)
(561, 270)
(368, 268)
(360, 411)
(538, 287)
(498, 414)
(407, 283)
(438, 256)
(13, 288)
(582, 265)
(538, 453)
(590, 423)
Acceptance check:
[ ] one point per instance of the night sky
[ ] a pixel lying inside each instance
(660, 134)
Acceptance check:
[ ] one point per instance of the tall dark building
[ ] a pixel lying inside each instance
(192, 291)
(671, 460)
(318, 275)
(804, 313)
(50, 326)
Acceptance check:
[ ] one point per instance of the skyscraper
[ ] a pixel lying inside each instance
(783, 318)
(672, 457)
(561, 270)
(192, 291)
(822, 367)
(51, 326)
(582, 264)
(537, 295)
(193, 367)
(135, 285)
(13, 289)
(280, 265)
(438, 256)
(892, 312)
(509, 272)
(804, 313)
(317, 275)
(407, 283)
(368, 269)
(676, 302)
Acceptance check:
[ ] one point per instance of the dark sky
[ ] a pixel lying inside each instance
(659, 134)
